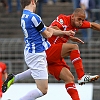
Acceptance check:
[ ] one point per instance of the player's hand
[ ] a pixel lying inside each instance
(69, 33)
(75, 39)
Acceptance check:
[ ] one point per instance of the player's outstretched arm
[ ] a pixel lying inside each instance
(59, 32)
(95, 26)
(75, 39)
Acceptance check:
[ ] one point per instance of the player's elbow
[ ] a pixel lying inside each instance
(47, 34)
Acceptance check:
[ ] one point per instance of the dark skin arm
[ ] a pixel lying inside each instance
(95, 26)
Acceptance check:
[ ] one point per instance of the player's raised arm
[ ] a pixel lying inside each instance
(95, 26)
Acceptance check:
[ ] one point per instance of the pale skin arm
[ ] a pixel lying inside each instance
(51, 31)
(58, 32)
(47, 33)
(61, 33)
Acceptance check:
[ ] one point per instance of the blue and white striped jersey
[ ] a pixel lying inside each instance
(32, 27)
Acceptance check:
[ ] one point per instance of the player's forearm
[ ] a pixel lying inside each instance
(58, 32)
(55, 27)
(55, 31)
(62, 33)
(47, 33)
(95, 26)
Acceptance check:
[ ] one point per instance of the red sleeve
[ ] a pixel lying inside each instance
(86, 24)
(57, 22)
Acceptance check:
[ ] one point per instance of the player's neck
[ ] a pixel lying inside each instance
(29, 8)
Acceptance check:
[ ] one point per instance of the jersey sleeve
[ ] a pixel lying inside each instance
(38, 23)
(86, 24)
(58, 22)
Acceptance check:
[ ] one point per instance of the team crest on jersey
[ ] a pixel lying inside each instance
(61, 21)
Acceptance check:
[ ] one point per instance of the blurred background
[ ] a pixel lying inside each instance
(12, 42)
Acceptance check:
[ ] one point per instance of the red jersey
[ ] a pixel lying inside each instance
(2, 71)
(63, 22)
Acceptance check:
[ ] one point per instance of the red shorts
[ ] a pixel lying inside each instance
(55, 61)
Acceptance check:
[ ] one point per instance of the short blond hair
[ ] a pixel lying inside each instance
(79, 10)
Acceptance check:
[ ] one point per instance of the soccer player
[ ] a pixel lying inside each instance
(59, 49)
(72, 22)
(3, 76)
(36, 34)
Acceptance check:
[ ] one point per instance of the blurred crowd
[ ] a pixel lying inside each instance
(9, 6)
(87, 5)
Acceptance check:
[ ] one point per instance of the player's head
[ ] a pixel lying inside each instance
(78, 17)
(27, 3)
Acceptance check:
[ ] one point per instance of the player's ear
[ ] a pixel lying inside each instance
(72, 16)
(33, 1)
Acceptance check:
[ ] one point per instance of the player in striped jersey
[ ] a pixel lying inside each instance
(36, 34)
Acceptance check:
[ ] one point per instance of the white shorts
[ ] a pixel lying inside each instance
(37, 63)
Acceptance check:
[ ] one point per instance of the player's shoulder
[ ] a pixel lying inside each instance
(61, 15)
(35, 17)
(64, 16)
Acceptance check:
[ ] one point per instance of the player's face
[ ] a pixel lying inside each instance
(78, 20)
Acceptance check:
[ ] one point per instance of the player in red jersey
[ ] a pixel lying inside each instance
(3, 76)
(60, 49)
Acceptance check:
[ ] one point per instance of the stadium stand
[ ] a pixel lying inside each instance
(11, 43)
